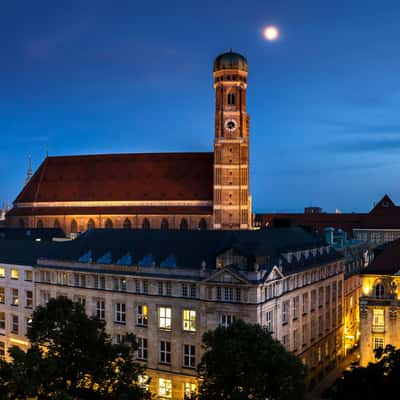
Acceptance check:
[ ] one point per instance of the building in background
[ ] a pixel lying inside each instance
(380, 225)
(152, 191)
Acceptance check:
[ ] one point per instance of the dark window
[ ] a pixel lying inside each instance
(74, 226)
(127, 224)
(57, 224)
(21, 223)
(164, 224)
(146, 224)
(231, 99)
(109, 224)
(39, 224)
(184, 225)
(202, 224)
(91, 224)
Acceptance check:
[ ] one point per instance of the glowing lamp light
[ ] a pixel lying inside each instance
(271, 33)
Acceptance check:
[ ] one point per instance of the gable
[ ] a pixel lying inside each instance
(226, 276)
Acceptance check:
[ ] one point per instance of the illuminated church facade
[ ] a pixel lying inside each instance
(156, 190)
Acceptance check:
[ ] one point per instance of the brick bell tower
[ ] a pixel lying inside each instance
(232, 201)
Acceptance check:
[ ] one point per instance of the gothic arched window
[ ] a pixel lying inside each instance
(57, 224)
(202, 224)
(145, 224)
(231, 99)
(184, 225)
(21, 223)
(91, 224)
(127, 224)
(109, 224)
(39, 224)
(164, 225)
(74, 226)
(379, 290)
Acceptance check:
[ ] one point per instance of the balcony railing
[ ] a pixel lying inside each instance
(378, 328)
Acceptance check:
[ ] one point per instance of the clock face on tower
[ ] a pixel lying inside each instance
(230, 125)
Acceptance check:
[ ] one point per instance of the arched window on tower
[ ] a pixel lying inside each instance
(56, 224)
(91, 224)
(146, 224)
(202, 224)
(127, 224)
(39, 224)
(184, 225)
(21, 223)
(231, 99)
(108, 224)
(379, 290)
(74, 226)
(164, 225)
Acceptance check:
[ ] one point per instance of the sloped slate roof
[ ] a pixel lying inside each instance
(190, 248)
(119, 177)
(387, 260)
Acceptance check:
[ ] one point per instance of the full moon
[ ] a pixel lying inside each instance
(271, 33)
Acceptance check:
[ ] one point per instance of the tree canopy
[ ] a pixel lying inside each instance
(71, 358)
(377, 380)
(243, 361)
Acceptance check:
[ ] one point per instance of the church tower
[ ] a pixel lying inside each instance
(232, 201)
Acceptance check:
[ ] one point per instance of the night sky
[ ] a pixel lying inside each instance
(93, 76)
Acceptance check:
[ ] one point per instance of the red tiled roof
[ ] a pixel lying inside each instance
(387, 262)
(122, 177)
(315, 221)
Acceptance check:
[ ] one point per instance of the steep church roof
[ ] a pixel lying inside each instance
(122, 177)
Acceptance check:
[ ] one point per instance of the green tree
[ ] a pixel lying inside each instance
(377, 380)
(243, 361)
(71, 358)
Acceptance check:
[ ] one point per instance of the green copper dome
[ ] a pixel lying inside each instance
(230, 60)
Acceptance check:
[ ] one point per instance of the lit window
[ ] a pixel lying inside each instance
(141, 315)
(100, 309)
(120, 315)
(165, 317)
(378, 323)
(189, 320)
(165, 352)
(28, 276)
(378, 342)
(15, 299)
(165, 388)
(189, 389)
(143, 381)
(142, 349)
(120, 284)
(227, 319)
(2, 350)
(2, 272)
(189, 356)
(14, 273)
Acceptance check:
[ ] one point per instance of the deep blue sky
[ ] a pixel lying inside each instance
(100, 76)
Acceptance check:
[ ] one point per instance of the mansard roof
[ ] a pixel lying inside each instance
(386, 261)
(188, 249)
(122, 177)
